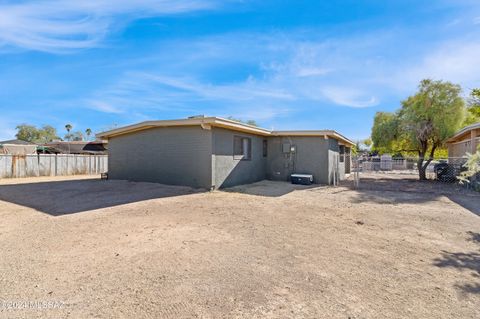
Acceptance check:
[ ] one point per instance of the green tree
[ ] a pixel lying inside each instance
(31, 133)
(384, 132)
(77, 136)
(27, 133)
(355, 149)
(248, 122)
(48, 133)
(423, 123)
(473, 110)
(368, 142)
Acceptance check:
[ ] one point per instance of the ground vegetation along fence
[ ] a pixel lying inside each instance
(445, 170)
(12, 166)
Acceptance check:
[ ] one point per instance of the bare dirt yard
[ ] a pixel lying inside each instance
(85, 248)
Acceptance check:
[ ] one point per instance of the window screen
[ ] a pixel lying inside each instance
(242, 148)
(342, 153)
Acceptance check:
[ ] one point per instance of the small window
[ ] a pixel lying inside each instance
(242, 148)
(265, 148)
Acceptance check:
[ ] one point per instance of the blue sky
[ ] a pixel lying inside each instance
(286, 64)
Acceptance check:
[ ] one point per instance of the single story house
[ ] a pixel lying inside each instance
(75, 147)
(17, 147)
(212, 153)
(465, 140)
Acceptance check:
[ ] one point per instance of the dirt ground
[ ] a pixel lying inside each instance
(85, 248)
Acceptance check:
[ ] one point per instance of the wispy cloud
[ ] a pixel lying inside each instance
(454, 22)
(349, 97)
(246, 91)
(312, 71)
(455, 61)
(285, 69)
(145, 92)
(62, 25)
(286, 72)
(7, 132)
(104, 107)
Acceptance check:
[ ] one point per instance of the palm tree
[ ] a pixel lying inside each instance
(88, 132)
(68, 127)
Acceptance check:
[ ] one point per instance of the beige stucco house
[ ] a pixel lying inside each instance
(465, 140)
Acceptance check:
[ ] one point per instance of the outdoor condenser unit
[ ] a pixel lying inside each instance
(302, 179)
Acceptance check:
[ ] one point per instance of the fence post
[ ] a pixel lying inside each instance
(356, 174)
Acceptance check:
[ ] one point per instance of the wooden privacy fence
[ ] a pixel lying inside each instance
(51, 165)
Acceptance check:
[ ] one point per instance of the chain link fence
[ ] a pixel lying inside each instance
(445, 170)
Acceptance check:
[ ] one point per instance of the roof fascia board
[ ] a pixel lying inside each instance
(204, 122)
(228, 124)
(329, 133)
(218, 122)
(464, 130)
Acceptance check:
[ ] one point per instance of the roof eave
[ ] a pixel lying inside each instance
(229, 124)
(464, 130)
(213, 121)
(329, 133)
(222, 123)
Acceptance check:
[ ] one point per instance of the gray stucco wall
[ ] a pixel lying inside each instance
(228, 171)
(202, 158)
(336, 169)
(170, 155)
(311, 157)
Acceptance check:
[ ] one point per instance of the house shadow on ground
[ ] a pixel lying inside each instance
(390, 189)
(270, 188)
(73, 196)
(464, 261)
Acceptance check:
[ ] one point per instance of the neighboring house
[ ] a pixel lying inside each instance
(17, 147)
(211, 153)
(75, 147)
(465, 140)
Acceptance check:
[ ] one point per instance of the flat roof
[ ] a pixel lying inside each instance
(73, 142)
(464, 130)
(207, 122)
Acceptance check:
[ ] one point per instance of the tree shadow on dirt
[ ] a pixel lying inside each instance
(463, 262)
(73, 196)
(474, 237)
(389, 189)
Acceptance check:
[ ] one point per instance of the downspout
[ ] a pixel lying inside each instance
(208, 127)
